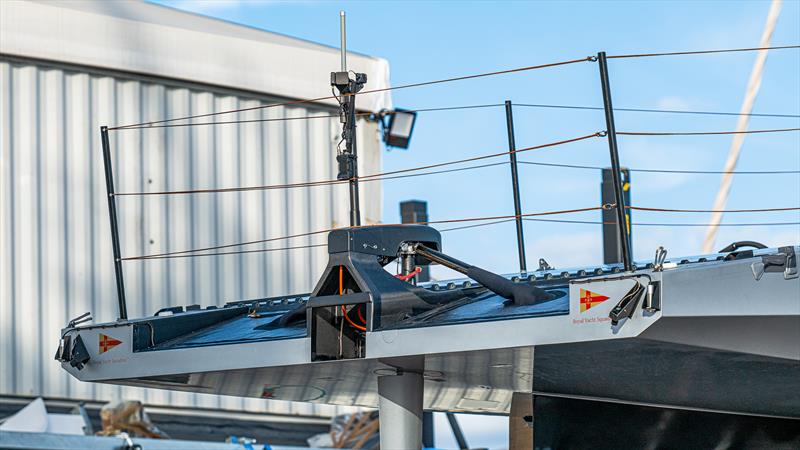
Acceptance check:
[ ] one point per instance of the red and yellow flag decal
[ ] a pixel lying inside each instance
(107, 343)
(590, 299)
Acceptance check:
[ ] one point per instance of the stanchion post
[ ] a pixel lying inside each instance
(611, 134)
(515, 187)
(112, 216)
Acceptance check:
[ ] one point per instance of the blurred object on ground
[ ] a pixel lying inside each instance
(129, 417)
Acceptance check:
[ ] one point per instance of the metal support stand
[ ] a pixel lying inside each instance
(515, 185)
(112, 216)
(400, 409)
(611, 133)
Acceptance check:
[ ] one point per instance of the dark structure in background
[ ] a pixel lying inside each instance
(612, 247)
(416, 211)
(581, 424)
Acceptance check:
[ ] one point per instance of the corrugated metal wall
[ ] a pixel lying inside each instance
(54, 235)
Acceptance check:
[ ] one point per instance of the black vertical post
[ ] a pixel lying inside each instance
(355, 213)
(512, 146)
(612, 249)
(428, 430)
(457, 433)
(112, 215)
(416, 211)
(611, 133)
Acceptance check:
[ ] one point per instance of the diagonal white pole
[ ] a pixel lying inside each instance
(741, 125)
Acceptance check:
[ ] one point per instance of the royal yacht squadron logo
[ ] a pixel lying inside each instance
(590, 299)
(107, 343)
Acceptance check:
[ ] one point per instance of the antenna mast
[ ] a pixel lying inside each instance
(347, 156)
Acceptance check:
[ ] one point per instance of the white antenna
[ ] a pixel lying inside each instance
(343, 37)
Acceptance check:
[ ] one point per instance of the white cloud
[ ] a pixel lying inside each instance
(671, 102)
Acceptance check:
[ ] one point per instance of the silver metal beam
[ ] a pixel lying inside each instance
(400, 409)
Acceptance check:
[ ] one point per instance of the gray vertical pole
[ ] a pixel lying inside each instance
(400, 410)
(512, 146)
(350, 131)
(112, 215)
(611, 132)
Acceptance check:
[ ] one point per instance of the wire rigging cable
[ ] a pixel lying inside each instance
(455, 108)
(701, 133)
(444, 80)
(663, 111)
(368, 91)
(371, 177)
(704, 52)
(311, 233)
(725, 211)
(498, 219)
(665, 224)
(712, 172)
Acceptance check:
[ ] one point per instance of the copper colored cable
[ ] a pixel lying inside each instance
(350, 321)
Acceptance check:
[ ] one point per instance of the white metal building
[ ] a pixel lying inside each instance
(66, 68)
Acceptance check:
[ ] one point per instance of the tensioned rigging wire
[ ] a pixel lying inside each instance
(643, 224)
(704, 52)
(471, 219)
(369, 91)
(724, 211)
(282, 119)
(446, 80)
(586, 222)
(371, 177)
(712, 172)
(665, 111)
(238, 252)
(310, 183)
(701, 133)
(454, 108)
(297, 247)
(664, 224)
(477, 225)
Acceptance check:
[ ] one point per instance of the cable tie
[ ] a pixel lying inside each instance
(609, 206)
(603, 133)
(591, 58)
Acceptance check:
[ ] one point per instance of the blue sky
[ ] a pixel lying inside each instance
(431, 40)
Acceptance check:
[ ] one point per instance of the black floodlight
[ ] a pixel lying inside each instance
(401, 124)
